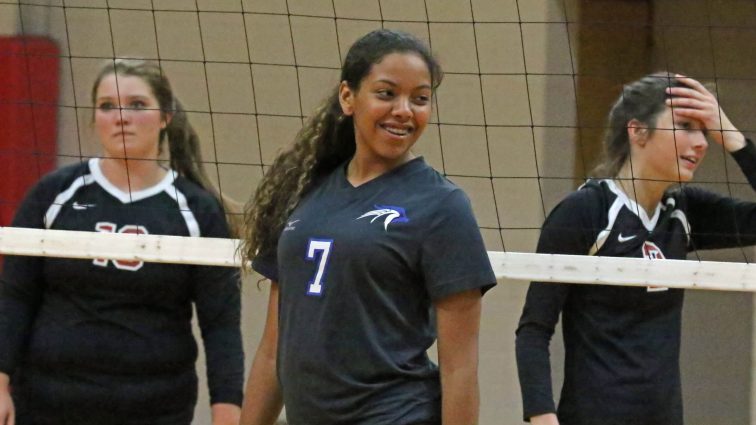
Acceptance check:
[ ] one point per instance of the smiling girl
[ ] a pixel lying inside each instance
(622, 344)
(371, 254)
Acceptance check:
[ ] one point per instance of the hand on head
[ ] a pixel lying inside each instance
(696, 102)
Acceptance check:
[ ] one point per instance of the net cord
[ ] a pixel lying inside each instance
(556, 268)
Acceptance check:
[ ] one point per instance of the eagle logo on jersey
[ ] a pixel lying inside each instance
(392, 215)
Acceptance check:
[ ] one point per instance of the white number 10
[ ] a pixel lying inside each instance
(313, 247)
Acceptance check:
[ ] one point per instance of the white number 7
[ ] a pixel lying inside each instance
(313, 246)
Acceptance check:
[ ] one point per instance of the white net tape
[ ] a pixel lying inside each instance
(507, 265)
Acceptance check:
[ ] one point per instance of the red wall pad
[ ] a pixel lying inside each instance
(29, 81)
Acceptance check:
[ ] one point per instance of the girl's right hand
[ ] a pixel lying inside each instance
(545, 419)
(7, 412)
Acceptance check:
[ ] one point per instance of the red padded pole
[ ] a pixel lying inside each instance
(29, 87)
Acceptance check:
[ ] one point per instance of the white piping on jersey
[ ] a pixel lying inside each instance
(604, 234)
(684, 220)
(191, 221)
(129, 197)
(622, 201)
(64, 197)
(648, 223)
(165, 185)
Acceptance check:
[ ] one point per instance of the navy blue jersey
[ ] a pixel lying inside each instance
(622, 344)
(358, 269)
(113, 338)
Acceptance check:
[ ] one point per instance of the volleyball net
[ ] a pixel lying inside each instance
(508, 265)
(516, 120)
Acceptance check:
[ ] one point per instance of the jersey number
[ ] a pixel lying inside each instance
(315, 247)
(106, 227)
(653, 252)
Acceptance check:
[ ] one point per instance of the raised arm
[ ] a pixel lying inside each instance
(716, 221)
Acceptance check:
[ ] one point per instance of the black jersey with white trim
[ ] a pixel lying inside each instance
(622, 344)
(358, 269)
(115, 336)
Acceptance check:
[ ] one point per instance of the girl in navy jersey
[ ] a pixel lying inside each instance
(371, 254)
(110, 342)
(622, 344)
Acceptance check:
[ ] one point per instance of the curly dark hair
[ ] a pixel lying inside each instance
(325, 141)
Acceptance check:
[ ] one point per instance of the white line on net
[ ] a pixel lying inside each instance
(119, 246)
(508, 265)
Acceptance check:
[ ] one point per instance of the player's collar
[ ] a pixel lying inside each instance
(408, 167)
(128, 197)
(648, 222)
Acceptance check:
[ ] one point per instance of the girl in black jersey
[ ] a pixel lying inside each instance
(622, 344)
(369, 251)
(110, 342)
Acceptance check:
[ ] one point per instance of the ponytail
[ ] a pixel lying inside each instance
(186, 159)
(183, 142)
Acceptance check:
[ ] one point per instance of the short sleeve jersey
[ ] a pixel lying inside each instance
(358, 269)
(118, 327)
(622, 344)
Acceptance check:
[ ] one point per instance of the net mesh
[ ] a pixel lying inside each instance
(517, 121)
(517, 124)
